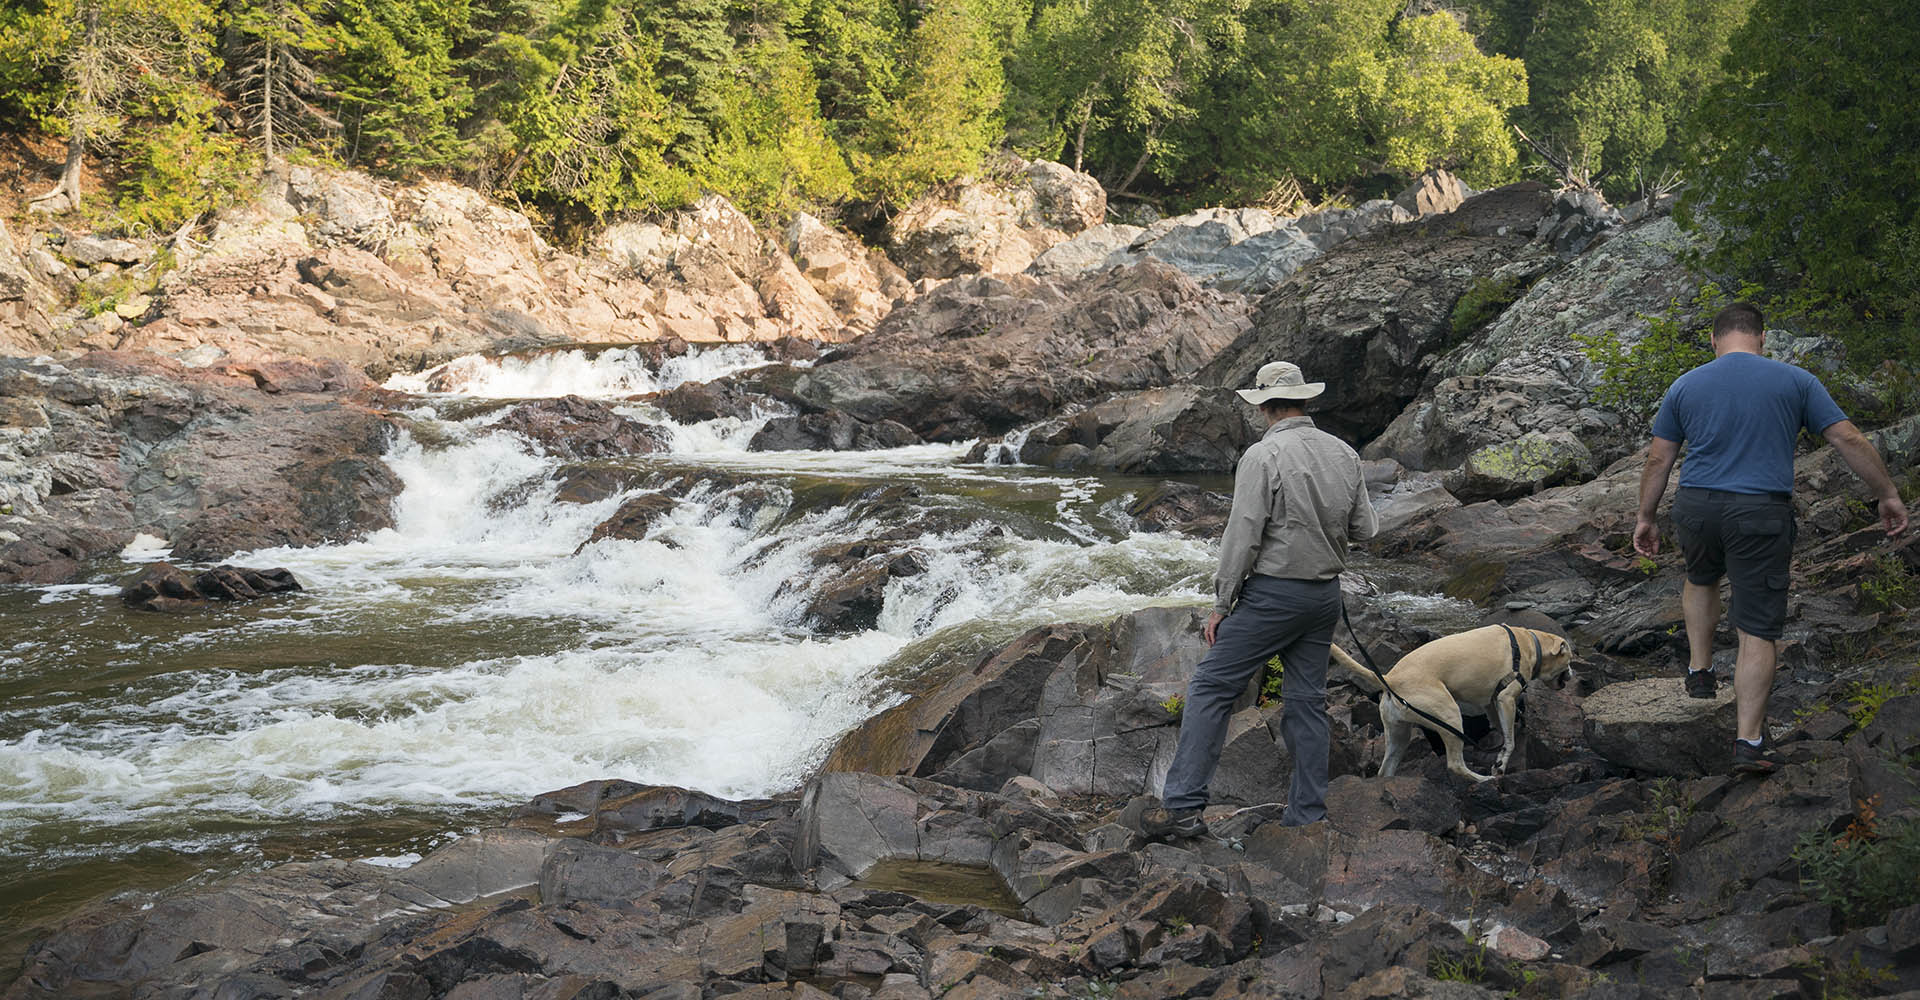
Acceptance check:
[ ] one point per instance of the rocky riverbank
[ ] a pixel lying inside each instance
(977, 837)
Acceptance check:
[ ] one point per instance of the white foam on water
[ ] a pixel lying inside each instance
(57, 592)
(601, 374)
(146, 548)
(685, 657)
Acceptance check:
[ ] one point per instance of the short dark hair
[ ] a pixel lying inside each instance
(1741, 317)
(1274, 407)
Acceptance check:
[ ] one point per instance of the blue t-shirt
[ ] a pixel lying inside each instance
(1739, 416)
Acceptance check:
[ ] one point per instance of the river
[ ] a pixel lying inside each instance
(439, 672)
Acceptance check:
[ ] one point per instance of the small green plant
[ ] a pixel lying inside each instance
(1645, 564)
(1868, 871)
(1864, 700)
(1178, 924)
(1888, 585)
(1467, 967)
(1666, 815)
(1174, 705)
(1485, 299)
(1271, 685)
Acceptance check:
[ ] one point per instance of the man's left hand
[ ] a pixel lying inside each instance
(1213, 624)
(1646, 537)
(1893, 516)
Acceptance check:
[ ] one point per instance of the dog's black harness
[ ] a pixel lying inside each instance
(1513, 649)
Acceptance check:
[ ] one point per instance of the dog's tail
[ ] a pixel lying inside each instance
(1366, 679)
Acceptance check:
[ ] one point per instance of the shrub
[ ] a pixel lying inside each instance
(1485, 299)
(1634, 377)
(1866, 872)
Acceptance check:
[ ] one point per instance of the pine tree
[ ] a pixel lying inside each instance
(402, 98)
(947, 115)
(270, 46)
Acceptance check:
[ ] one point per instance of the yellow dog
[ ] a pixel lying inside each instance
(1468, 672)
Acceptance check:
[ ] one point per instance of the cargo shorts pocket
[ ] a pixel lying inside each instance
(1760, 526)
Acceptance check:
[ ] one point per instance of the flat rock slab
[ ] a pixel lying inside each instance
(1653, 727)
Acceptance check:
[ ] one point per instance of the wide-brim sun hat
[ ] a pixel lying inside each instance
(1280, 380)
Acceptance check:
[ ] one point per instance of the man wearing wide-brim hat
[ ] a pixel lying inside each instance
(1298, 499)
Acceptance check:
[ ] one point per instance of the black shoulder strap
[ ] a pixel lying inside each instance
(1513, 652)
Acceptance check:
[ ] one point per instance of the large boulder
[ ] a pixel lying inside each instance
(860, 284)
(1185, 428)
(981, 355)
(1515, 468)
(98, 449)
(1086, 709)
(1370, 316)
(996, 225)
(1652, 727)
(1433, 193)
(1525, 372)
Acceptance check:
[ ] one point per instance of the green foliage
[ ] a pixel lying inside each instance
(1863, 701)
(1807, 153)
(1444, 104)
(773, 155)
(1634, 377)
(947, 115)
(1889, 585)
(1484, 300)
(1328, 93)
(1611, 80)
(1865, 873)
(1174, 705)
(178, 168)
(401, 100)
(1272, 681)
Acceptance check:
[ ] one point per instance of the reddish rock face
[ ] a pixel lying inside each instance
(212, 460)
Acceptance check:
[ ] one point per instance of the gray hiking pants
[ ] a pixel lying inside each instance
(1292, 619)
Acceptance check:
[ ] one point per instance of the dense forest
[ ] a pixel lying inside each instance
(1793, 119)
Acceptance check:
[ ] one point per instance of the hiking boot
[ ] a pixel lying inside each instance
(1700, 683)
(1162, 824)
(1750, 759)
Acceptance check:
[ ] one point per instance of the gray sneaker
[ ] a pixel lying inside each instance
(1700, 683)
(1162, 824)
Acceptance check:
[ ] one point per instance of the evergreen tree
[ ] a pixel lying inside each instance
(1808, 152)
(854, 46)
(402, 99)
(773, 154)
(1118, 74)
(270, 49)
(696, 60)
(947, 115)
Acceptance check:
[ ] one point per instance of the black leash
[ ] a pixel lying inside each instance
(1377, 672)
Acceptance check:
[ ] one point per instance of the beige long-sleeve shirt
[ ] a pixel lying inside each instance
(1298, 498)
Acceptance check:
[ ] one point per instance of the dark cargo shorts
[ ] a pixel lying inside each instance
(1747, 538)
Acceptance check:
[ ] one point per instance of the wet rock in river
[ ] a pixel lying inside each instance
(581, 428)
(212, 460)
(634, 519)
(830, 431)
(165, 587)
(1183, 508)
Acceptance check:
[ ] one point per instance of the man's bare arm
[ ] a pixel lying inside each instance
(1864, 459)
(1661, 454)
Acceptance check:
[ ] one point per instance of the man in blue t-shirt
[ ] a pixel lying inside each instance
(1739, 416)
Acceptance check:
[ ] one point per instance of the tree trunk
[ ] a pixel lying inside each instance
(268, 51)
(1146, 153)
(65, 196)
